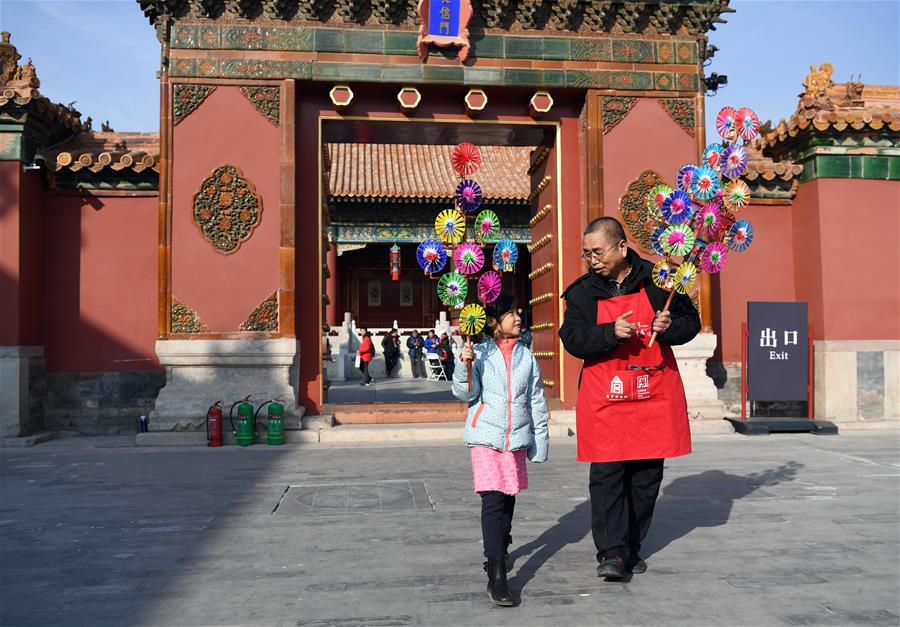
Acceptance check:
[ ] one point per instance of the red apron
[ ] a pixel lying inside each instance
(631, 402)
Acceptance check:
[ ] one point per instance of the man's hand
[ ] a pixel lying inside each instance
(468, 352)
(623, 328)
(662, 321)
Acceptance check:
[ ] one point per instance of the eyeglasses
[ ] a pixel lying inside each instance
(588, 255)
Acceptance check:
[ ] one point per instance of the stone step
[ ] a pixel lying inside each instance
(29, 440)
(395, 413)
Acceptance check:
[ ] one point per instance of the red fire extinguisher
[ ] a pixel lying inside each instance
(214, 424)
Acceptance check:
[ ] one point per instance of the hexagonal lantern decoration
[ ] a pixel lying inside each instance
(541, 102)
(476, 100)
(341, 96)
(409, 98)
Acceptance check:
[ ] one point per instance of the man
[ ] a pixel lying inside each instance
(390, 347)
(416, 345)
(448, 361)
(631, 412)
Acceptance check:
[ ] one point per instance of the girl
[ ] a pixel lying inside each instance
(507, 421)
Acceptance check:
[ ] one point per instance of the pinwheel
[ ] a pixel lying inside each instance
(726, 122)
(452, 289)
(709, 219)
(713, 257)
(712, 156)
(662, 274)
(705, 183)
(469, 258)
(740, 236)
(656, 197)
(736, 196)
(487, 226)
(747, 123)
(471, 322)
(734, 161)
(466, 159)
(471, 319)
(656, 240)
(685, 177)
(468, 196)
(505, 255)
(450, 226)
(685, 277)
(678, 240)
(489, 285)
(677, 207)
(432, 256)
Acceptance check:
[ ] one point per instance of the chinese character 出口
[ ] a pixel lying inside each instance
(790, 337)
(768, 339)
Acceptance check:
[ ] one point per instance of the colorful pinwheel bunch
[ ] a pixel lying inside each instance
(696, 220)
(451, 230)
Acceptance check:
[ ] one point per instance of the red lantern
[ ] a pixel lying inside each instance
(395, 263)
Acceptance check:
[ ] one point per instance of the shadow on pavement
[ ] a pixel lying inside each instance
(706, 500)
(569, 529)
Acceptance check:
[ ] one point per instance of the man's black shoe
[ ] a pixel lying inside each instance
(636, 565)
(611, 568)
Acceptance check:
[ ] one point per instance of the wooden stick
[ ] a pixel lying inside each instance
(665, 309)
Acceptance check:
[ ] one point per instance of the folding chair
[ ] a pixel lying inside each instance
(435, 367)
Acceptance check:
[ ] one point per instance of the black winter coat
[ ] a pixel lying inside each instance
(585, 339)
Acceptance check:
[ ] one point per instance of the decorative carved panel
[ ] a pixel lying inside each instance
(266, 100)
(185, 319)
(264, 317)
(227, 209)
(682, 111)
(615, 108)
(187, 98)
(634, 211)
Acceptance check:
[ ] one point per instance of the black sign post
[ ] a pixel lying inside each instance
(777, 365)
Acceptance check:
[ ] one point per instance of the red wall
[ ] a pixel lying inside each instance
(225, 289)
(9, 252)
(849, 228)
(21, 265)
(763, 272)
(627, 152)
(100, 275)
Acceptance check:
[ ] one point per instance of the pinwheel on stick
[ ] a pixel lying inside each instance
(696, 220)
(471, 322)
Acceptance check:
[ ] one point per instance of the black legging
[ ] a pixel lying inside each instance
(496, 522)
(364, 368)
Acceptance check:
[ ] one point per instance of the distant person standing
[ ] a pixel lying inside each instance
(390, 346)
(416, 347)
(366, 353)
(446, 352)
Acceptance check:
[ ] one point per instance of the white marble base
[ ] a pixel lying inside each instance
(15, 365)
(841, 380)
(702, 395)
(200, 372)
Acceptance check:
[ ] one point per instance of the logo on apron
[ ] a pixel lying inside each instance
(629, 386)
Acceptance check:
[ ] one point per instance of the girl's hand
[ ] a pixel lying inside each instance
(468, 352)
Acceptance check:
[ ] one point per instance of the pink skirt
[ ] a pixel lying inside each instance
(501, 472)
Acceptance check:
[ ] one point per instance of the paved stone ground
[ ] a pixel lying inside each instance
(778, 530)
(391, 391)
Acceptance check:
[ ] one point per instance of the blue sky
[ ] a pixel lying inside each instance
(103, 54)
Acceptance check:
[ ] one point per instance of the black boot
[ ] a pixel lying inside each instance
(497, 590)
(507, 563)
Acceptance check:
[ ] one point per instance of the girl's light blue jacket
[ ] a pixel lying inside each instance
(504, 417)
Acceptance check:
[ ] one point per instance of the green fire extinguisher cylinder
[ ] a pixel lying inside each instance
(245, 427)
(275, 429)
